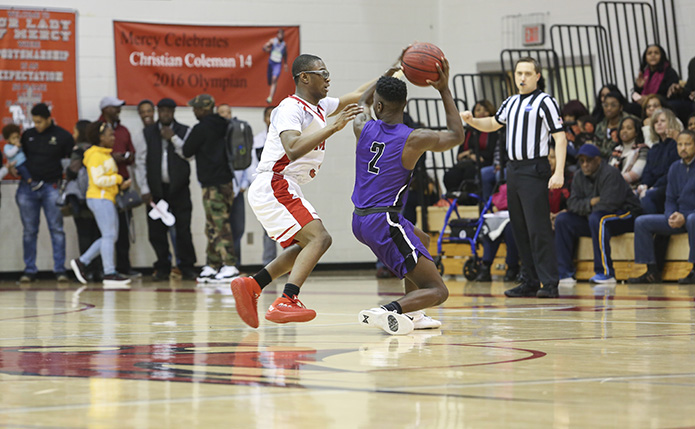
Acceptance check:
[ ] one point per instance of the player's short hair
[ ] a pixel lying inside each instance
(689, 133)
(392, 89)
(303, 63)
(10, 129)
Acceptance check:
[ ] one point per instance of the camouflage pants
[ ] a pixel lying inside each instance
(217, 202)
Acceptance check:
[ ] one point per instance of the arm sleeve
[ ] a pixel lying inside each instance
(672, 191)
(104, 180)
(141, 162)
(501, 115)
(178, 143)
(192, 143)
(638, 166)
(288, 118)
(578, 202)
(329, 105)
(611, 189)
(68, 145)
(551, 114)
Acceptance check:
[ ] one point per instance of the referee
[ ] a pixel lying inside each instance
(531, 117)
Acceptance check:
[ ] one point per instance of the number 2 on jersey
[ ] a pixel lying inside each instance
(378, 149)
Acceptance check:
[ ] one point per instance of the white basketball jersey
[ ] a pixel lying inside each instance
(294, 113)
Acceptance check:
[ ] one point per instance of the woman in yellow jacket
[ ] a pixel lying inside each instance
(104, 185)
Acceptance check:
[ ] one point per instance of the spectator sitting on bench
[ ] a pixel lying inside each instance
(600, 206)
(663, 153)
(678, 218)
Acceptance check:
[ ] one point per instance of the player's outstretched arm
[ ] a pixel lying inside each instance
(354, 97)
(297, 145)
(367, 99)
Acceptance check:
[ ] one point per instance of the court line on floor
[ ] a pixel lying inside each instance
(295, 390)
(606, 379)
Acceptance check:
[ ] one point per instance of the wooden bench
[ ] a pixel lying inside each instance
(622, 251)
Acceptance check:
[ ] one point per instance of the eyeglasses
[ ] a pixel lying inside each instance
(102, 128)
(325, 74)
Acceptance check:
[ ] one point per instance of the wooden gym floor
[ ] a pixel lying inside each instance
(173, 355)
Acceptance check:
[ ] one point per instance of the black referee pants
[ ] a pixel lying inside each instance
(529, 213)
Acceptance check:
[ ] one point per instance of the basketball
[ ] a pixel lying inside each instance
(419, 63)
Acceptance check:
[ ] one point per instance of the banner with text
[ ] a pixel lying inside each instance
(240, 66)
(38, 65)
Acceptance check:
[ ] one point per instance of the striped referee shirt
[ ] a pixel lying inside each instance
(530, 120)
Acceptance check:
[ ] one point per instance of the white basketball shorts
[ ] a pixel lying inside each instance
(279, 205)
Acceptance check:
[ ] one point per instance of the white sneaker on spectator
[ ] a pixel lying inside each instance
(206, 274)
(226, 274)
(390, 321)
(423, 321)
(568, 281)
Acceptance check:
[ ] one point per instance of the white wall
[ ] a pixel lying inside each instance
(357, 39)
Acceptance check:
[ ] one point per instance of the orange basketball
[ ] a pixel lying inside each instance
(419, 63)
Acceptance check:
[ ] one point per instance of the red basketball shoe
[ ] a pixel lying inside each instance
(246, 292)
(285, 310)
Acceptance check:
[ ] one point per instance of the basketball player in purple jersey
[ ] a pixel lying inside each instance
(387, 151)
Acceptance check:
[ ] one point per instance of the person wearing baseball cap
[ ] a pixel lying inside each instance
(168, 178)
(601, 205)
(202, 101)
(206, 143)
(124, 155)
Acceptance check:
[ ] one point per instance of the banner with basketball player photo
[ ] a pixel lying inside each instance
(38, 65)
(240, 66)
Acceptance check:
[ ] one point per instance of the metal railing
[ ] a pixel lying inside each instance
(666, 34)
(585, 60)
(631, 27)
(473, 87)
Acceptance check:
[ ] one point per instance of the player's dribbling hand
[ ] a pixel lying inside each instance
(556, 181)
(347, 115)
(443, 82)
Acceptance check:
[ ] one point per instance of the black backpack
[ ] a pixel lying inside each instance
(238, 144)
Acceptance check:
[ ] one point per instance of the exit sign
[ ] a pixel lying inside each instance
(534, 34)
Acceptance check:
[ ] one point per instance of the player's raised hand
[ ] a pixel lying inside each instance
(346, 115)
(443, 82)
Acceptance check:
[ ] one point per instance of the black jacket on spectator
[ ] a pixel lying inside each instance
(607, 183)
(45, 150)
(179, 168)
(659, 160)
(207, 143)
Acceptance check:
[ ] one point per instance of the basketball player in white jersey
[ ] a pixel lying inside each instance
(292, 156)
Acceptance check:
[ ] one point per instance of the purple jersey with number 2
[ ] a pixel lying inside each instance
(382, 181)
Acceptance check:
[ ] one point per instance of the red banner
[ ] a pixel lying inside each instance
(236, 65)
(38, 65)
